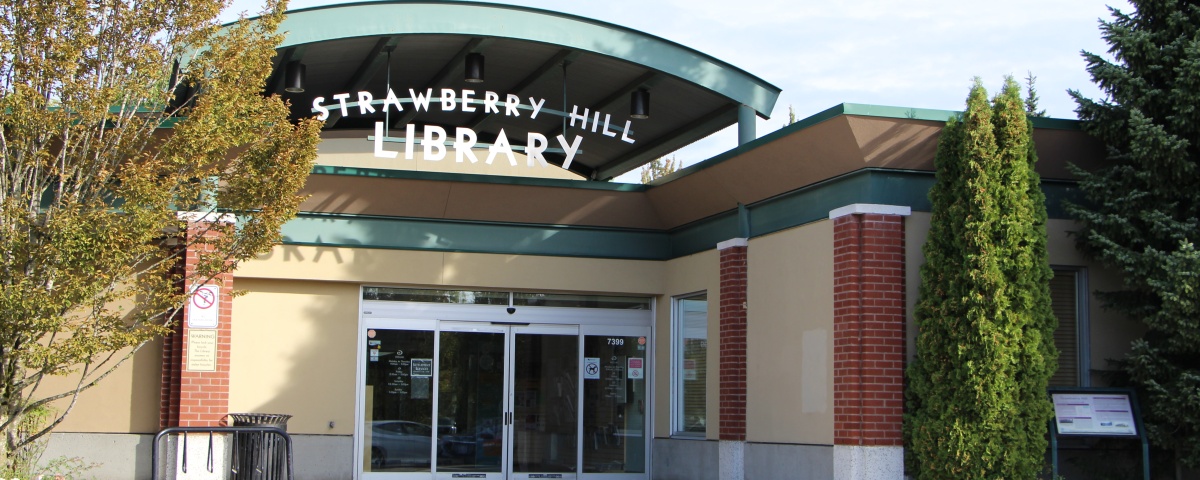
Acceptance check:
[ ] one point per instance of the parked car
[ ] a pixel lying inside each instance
(400, 443)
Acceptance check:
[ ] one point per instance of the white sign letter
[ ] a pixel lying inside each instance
(625, 134)
(448, 103)
(466, 96)
(501, 146)
(421, 101)
(435, 139)
(511, 102)
(379, 151)
(392, 100)
(576, 116)
(410, 139)
(569, 149)
(464, 141)
(318, 106)
(489, 102)
(535, 145)
(341, 97)
(606, 131)
(537, 106)
(364, 103)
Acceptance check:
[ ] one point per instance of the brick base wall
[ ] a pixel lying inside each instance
(197, 398)
(733, 342)
(869, 321)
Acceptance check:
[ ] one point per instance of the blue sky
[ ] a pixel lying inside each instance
(918, 53)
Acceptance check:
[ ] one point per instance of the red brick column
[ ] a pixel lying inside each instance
(869, 320)
(197, 397)
(733, 339)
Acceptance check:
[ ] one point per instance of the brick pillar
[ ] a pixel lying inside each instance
(732, 420)
(196, 392)
(868, 337)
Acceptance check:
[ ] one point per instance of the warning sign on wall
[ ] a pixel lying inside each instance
(203, 306)
(635, 370)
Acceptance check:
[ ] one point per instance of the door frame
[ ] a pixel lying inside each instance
(398, 315)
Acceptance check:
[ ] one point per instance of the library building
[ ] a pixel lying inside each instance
(466, 293)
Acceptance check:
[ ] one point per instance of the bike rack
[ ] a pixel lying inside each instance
(210, 464)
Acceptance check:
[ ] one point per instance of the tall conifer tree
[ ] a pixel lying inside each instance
(1142, 207)
(985, 352)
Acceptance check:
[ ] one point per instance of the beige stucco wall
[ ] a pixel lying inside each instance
(293, 350)
(1110, 332)
(127, 401)
(407, 267)
(789, 384)
(695, 273)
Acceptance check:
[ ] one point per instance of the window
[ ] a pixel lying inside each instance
(689, 350)
(1068, 299)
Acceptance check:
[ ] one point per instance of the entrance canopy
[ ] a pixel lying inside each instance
(551, 63)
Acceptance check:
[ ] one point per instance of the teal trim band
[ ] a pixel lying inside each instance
(476, 178)
(704, 235)
(796, 208)
(474, 237)
(813, 203)
(319, 24)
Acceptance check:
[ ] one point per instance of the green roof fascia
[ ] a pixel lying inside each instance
(813, 203)
(474, 237)
(477, 178)
(862, 110)
(790, 210)
(332, 22)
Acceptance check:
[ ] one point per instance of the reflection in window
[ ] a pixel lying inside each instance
(689, 365)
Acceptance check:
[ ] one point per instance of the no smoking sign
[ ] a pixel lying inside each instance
(203, 306)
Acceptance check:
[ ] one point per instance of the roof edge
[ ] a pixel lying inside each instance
(854, 109)
(331, 22)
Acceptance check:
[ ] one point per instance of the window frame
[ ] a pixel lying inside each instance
(677, 376)
(1082, 322)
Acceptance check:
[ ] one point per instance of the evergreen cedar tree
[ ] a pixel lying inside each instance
(977, 404)
(1140, 212)
(91, 185)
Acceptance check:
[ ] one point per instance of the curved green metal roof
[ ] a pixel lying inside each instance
(555, 64)
(318, 24)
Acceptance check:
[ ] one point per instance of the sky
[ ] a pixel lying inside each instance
(916, 53)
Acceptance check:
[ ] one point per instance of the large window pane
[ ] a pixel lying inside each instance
(471, 402)
(614, 404)
(399, 401)
(690, 353)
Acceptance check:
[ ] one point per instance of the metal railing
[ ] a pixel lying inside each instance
(263, 450)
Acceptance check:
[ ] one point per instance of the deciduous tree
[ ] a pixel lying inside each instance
(659, 167)
(98, 157)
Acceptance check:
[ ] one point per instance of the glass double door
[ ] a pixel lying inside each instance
(495, 401)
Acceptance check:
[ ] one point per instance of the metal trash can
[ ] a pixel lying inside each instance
(257, 455)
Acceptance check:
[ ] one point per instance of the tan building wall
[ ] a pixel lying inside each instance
(127, 401)
(406, 267)
(293, 351)
(789, 388)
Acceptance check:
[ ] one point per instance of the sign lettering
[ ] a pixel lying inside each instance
(435, 141)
